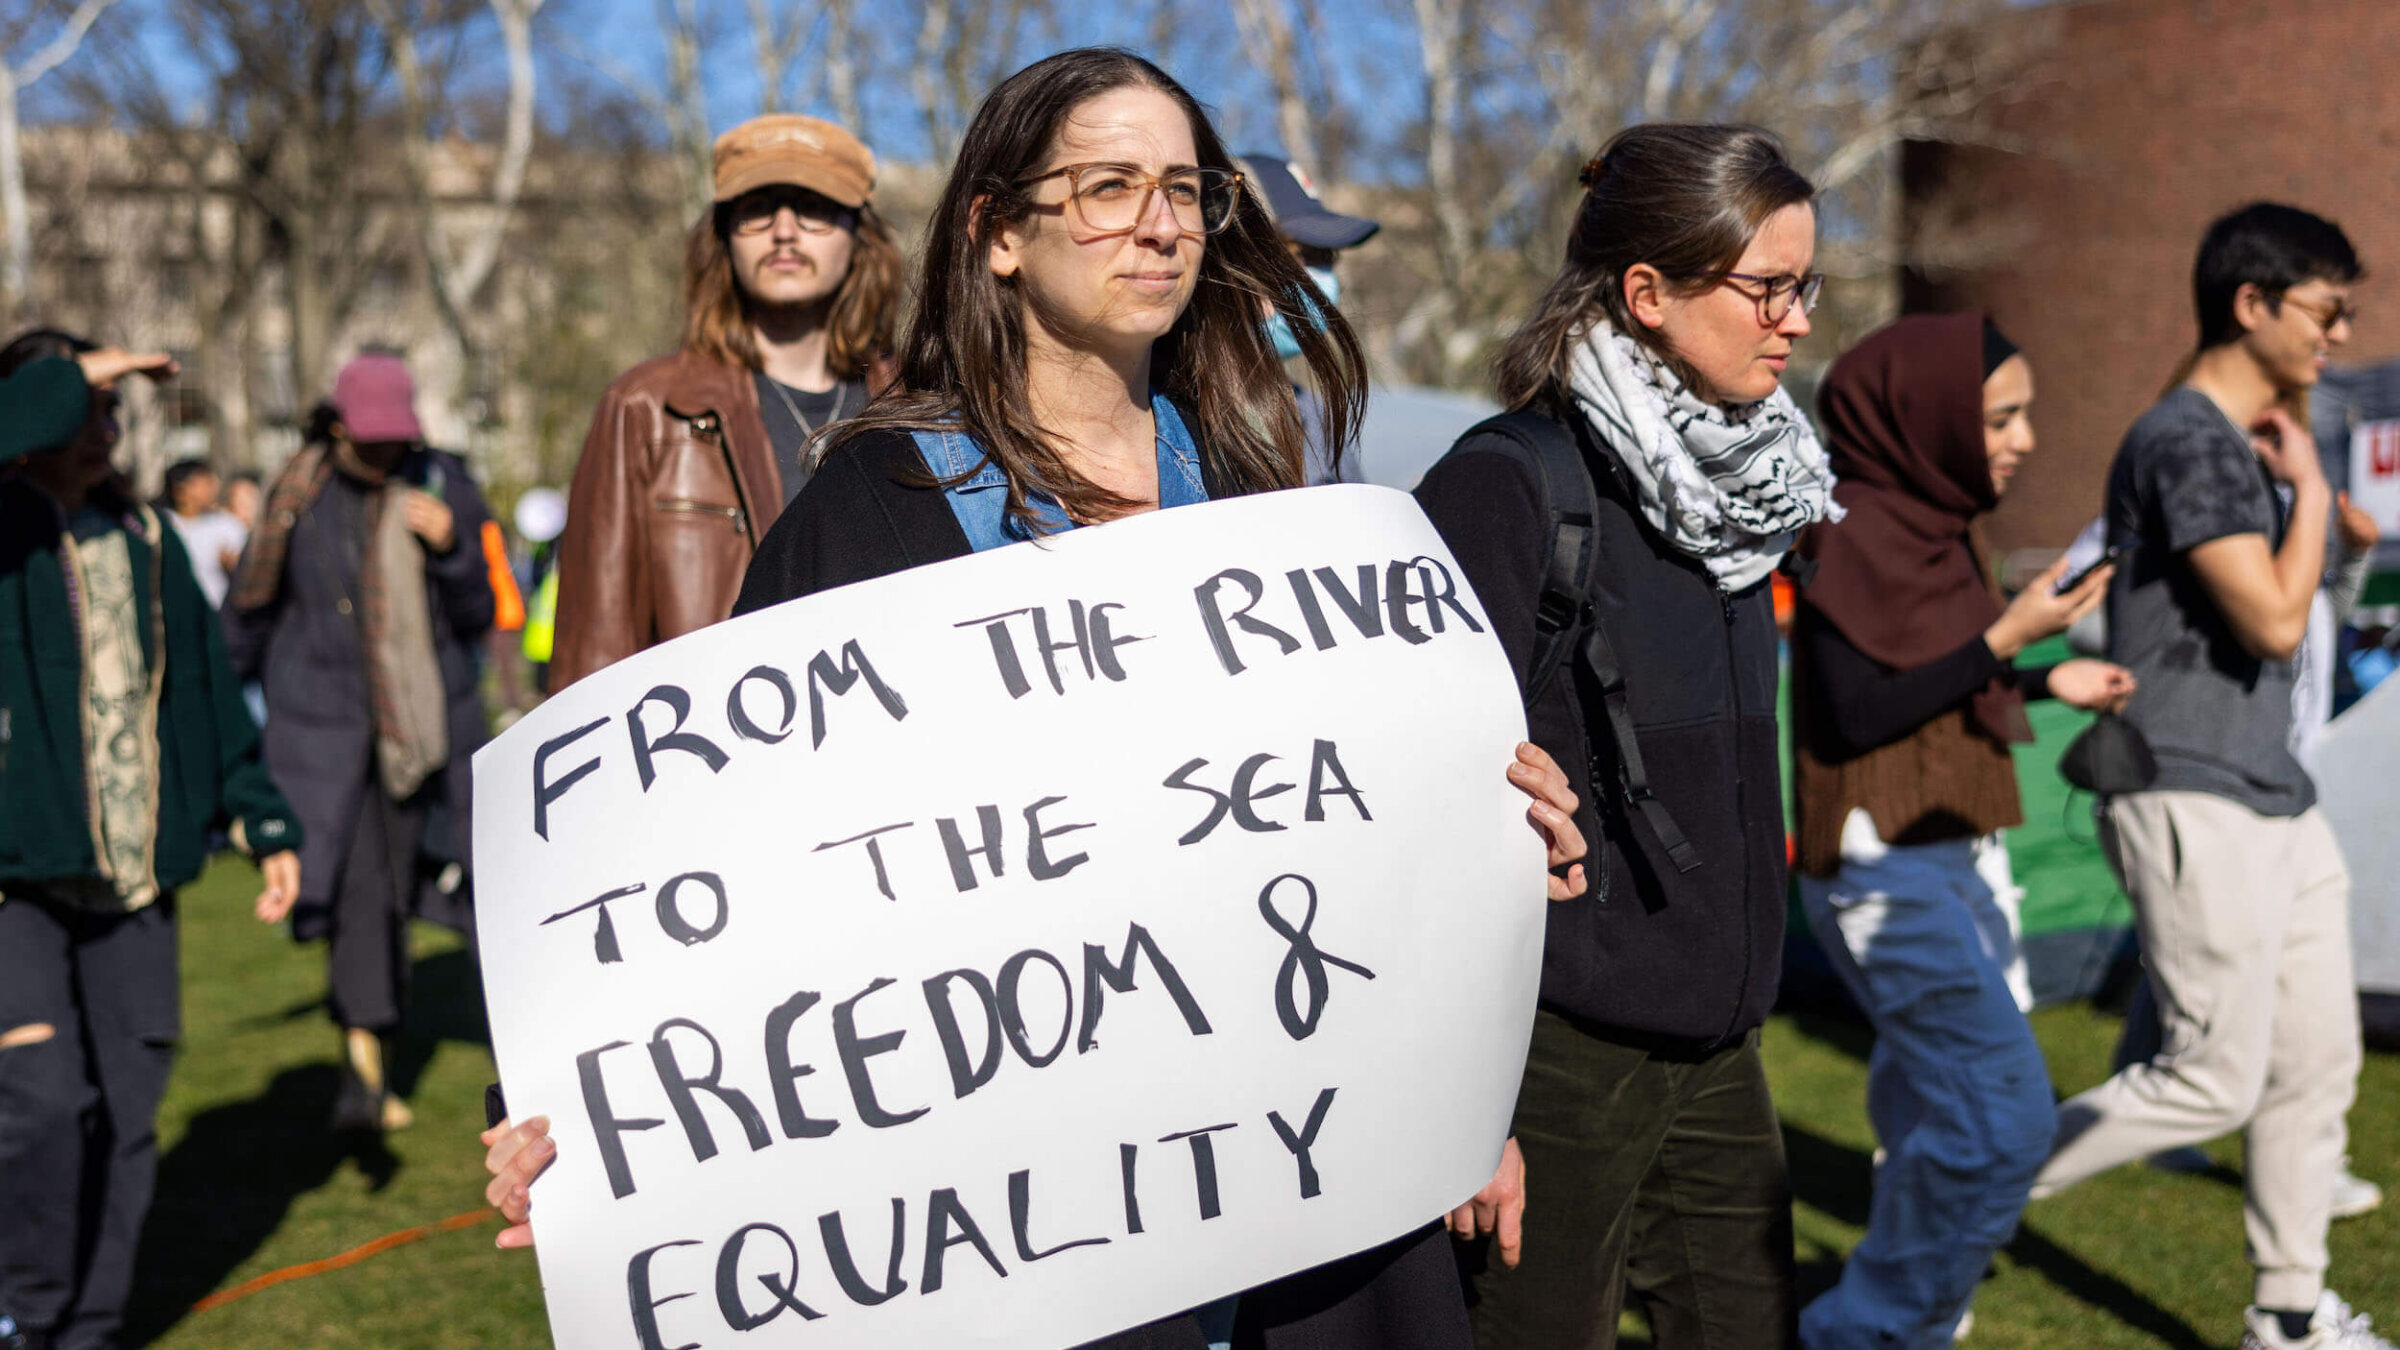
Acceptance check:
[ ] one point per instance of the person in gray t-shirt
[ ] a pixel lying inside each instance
(2239, 886)
(2217, 715)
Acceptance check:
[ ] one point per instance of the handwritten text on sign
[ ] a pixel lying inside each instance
(1021, 948)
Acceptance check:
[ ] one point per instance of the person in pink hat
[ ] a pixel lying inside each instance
(359, 603)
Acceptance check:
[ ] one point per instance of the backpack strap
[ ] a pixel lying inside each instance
(1565, 612)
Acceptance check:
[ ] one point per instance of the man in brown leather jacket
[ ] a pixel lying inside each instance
(791, 287)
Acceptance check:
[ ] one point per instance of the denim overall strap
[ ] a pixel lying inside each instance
(980, 500)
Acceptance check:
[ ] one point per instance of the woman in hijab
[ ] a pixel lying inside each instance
(1906, 701)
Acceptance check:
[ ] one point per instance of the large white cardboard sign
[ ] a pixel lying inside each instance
(1017, 949)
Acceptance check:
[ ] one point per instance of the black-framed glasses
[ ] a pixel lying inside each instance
(755, 212)
(1114, 198)
(2342, 312)
(1777, 294)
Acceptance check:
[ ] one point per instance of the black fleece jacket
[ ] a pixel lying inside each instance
(1649, 955)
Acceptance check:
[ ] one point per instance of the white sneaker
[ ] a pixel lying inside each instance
(2353, 1194)
(2332, 1327)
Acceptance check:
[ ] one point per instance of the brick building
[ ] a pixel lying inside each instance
(2139, 122)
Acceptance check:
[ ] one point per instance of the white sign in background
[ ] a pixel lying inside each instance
(1017, 949)
(2375, 473)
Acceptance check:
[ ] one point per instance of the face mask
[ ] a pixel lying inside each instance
(1280, 332)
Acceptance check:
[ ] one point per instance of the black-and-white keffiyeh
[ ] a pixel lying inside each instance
(1728, 484)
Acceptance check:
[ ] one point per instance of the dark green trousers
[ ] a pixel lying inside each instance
(1649, 1170)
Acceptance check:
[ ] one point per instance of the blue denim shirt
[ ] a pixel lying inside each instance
(980, 501)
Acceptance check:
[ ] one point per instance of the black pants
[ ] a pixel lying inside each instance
(1663, 1173)
(78, 1108)
(367, 949)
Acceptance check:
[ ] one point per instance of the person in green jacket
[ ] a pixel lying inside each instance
(123, 741)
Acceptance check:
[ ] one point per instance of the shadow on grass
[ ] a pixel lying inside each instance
(230, 1182)
(1837, 1180)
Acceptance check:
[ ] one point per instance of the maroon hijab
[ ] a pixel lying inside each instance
(1902, 414)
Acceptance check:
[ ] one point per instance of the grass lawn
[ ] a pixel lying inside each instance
(252, 1182)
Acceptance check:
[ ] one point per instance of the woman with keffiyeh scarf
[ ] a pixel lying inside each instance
(1647, 1137)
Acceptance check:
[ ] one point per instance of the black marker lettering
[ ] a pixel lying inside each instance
(1020, 1221)
(1004, 651)
(1311, 613)
(1204, 1165)
(604, 940)
(1360, 609)
(1219, 636)
(1126, 1156)
(1304, 961)
(1105, 642)
(943, 1212)
(962, 858)
(645, 1307)
(1324, 760)
(883, 878)
(729, 1282)
(1037, 857)
(681, 1087)
(1098, 970)
(670, 915)
(785, 1075)
(608, 1128)
(645, 747)
(544, 792)
(1396, 600)
(739, 717)
(823, 675)
(1012, 1013)
(965, 1077)
(855, 1052)
(1300, 1143)
(1446, 593)
(845, 1270)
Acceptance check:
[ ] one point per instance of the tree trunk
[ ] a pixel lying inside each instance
(16, 275)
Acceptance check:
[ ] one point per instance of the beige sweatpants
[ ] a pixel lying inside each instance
(2245, 927)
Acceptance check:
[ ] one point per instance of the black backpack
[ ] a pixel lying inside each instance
(1565, 619)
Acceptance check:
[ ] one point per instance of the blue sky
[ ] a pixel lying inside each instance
(580, 41)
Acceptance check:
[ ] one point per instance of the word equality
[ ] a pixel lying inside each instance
(770, 1256)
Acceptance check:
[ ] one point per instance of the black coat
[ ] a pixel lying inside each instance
(871, 510)
(306, 648)
(1651, 954)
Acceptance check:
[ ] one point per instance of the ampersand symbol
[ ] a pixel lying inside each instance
(1305, 959)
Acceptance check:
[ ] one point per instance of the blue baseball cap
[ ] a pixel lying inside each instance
(1291, 198)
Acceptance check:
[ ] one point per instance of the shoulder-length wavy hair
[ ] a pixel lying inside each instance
(717, 312)
(1686, 198)
(962, 364)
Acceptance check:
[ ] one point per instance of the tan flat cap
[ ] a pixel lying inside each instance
(801, 151)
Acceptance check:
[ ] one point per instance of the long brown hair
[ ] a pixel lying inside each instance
(1684, 197)
(865, 311)
(962, 364)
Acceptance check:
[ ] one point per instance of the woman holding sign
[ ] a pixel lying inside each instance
(1088, 347)
(1620, 526)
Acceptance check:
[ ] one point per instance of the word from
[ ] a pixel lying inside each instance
(825, 677)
